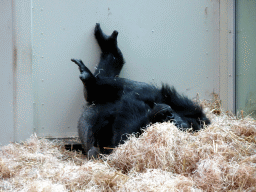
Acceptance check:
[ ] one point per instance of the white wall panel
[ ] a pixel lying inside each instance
(175, 42)
(22, 70)
(6, 74)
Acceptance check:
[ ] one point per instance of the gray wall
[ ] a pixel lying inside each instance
(246, 56)
(6, 73)
(175, 42)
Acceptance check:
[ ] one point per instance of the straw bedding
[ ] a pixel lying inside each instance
(221, 157)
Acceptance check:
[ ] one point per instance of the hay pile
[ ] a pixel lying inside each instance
(221, 157)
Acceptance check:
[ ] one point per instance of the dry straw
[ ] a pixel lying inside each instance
(222, 157)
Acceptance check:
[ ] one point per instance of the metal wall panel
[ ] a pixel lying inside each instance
(22, 70)
(175, 42)
(6, 74)
(246, 56)
(227, 55)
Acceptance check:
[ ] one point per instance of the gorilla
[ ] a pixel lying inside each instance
(117, 106)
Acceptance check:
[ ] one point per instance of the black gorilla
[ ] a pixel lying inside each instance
(118, 106)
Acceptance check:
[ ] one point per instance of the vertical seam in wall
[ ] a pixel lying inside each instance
(235, 71)
(231, 55)
(14, 73)
(32, 71)
(219, 50)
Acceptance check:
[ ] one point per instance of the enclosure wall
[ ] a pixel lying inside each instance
(6, 73)
(246, 57)
(174, 42)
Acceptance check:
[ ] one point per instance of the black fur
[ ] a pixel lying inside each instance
(118, 106)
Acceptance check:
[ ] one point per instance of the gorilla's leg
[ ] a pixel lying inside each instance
(86, 76)
(112, 60)
(85, 125)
